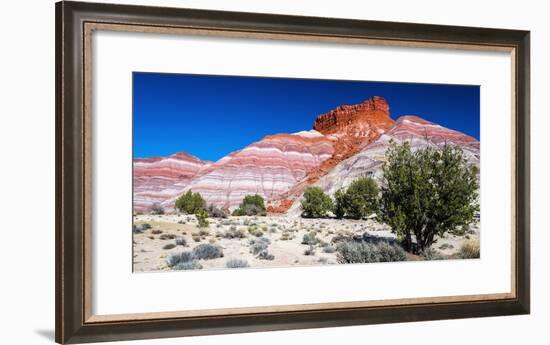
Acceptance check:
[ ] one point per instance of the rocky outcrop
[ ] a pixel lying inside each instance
(352, 118)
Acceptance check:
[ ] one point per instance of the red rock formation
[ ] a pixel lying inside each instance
(372, 112)
(352, 127)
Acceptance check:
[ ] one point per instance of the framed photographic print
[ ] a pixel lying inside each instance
(222, 172)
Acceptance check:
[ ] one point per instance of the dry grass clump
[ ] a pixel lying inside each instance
(470, 250)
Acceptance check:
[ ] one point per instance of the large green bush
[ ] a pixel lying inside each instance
(252, 205)
(359, 200)
(427, 193)
(190, 202)
(316, 203)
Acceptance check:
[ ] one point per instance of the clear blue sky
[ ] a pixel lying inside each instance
(211, 116)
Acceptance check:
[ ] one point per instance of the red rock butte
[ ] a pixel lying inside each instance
(350, 128)
(374, 111)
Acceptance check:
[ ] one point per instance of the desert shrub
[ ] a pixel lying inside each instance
(252, 205)
(178, 258)
(183, 261)
(167, 236)
(215, 212)
(316, 203)
(310, 251)
(236, 263)
(446, 246)
(169, 246)
(196, 237)
(427, 193)
(257, 245)
(204, 232)
(136, 229)
(258, 233)
(190, 265)
(207, 251)
(144, 226)
(265, 255)
(156, 231)
(234, 233)
(310, 238)
(201, 218)
(359, 252)
(156, 209)
(432, 254)
(359, 200)
(286, 236)
(469, 250)
(329, 249)
(180, 241)
(190, 202)
(323, 260)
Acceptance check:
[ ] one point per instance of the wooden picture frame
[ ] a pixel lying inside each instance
(75, 22)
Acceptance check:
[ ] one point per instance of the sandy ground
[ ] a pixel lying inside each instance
(152, 246)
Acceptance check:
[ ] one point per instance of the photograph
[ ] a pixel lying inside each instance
(237, 172)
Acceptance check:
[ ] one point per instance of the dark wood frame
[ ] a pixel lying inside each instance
(74, 322)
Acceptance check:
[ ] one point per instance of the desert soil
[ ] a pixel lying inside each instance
(284, 232)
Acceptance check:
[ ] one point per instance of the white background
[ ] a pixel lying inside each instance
(27, 174)
(118, 291)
